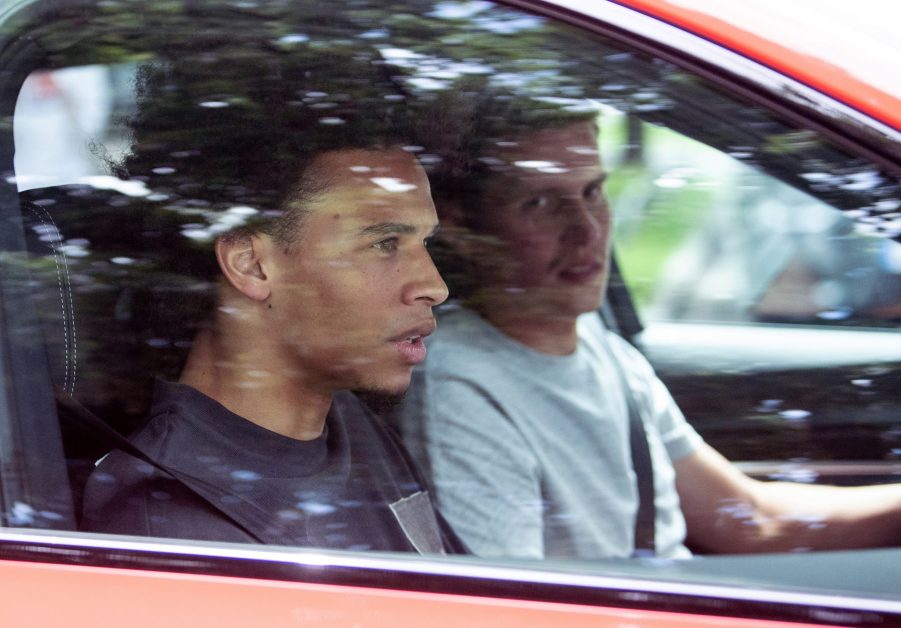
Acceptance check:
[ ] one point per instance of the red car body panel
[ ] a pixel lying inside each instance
(817, 73)
(123, 597)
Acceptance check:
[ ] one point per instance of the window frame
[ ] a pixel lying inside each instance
(631, 586)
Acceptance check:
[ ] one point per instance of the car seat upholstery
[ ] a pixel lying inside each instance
(84, 308)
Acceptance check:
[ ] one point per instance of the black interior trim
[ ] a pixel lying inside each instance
(620, 305)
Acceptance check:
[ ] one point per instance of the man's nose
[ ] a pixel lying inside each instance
(426, 285)
(584, 226)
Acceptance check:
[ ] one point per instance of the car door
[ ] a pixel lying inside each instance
(79, 275)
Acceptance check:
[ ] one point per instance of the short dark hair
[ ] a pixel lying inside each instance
(474, 123)
(223, 137)
(224, 133)
(246, 139)
(481, 118)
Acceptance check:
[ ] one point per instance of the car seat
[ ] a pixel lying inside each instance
(89, 323)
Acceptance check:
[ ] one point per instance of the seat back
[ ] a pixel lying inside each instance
(89, 313)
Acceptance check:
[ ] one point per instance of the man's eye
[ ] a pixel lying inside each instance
(593, 192)
(388, 245)
(539, 202)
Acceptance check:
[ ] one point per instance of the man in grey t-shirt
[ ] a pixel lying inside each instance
(530, 450)
(520, 415)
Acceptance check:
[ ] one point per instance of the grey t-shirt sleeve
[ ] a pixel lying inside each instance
(677, 435)
(485, 477)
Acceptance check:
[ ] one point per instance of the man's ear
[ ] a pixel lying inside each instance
(241, 259)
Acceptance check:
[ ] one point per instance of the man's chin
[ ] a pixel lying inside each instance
(588, 300)
(381, 401)
(390, 387)
(566, 305)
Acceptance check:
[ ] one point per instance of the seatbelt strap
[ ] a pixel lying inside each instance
(646, 516)
(83, 418)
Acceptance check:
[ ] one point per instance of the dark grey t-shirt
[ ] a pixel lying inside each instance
(351, 488)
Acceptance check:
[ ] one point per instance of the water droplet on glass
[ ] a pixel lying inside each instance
(669, 182)
(316, 508)
(769, 405)
(373, 34)
(392, 184)
(794, 415)
(834, 315)
(294, 38)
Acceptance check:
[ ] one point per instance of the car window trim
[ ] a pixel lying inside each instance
(742, 77)
(456, 576)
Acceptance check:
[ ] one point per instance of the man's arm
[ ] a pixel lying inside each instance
(729, 512)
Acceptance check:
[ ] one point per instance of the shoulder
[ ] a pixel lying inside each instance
(119, 474)
(465, 346)
(608, 346)
(127, 495)
(123, 498)
(116, 492)
(459, 328)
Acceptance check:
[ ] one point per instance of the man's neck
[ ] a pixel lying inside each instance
(253, 388)
(553, 335)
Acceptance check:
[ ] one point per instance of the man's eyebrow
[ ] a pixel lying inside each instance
(387, 228)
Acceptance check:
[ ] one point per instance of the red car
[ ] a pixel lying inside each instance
(755, 171)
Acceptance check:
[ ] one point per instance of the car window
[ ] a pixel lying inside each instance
(760, 257)
(734, 270)
(734, 252)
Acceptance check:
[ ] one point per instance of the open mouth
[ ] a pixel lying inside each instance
(410, 344)
(416, 333)
(412, 349)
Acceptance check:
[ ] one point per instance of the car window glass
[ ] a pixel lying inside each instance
(713, 239)
(753, 249)
(773, 289)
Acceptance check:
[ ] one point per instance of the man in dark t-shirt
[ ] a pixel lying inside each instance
(350, 488)
(323, 285)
